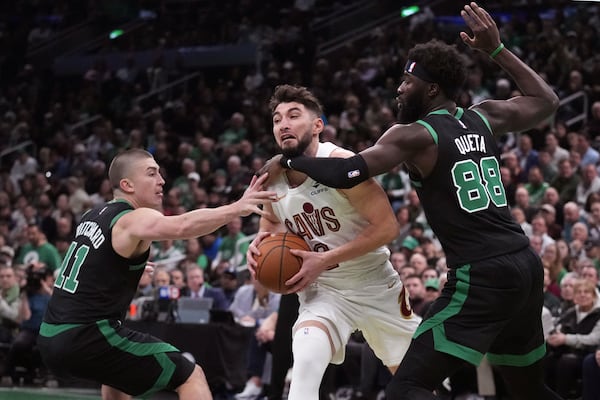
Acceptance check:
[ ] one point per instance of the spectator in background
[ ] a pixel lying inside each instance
(228, 281)
(566, 181)
(38, 250)
(79, 200)
(567, 290)
(10, 302)
(396, 184)
(554, 263)
(590, 374)
(511, 162)
(252, 306)
(187, 182)
(589, 155)
(551, 301)
(34, 301)
(432, 290)
(145, 287)
(7, 253)
(551, 197)
(553, 229)
(166, 254)
(577, 334)
(556, 152)
(235, 132)
(24, 165)
(589, 183)
(592, 125)
(177, 279)
(419, 262)
(476, 89)
(160, 277)
(197, 289)
(194, 252)
(590, 273)
(527, 156)
(229, 250)
(593, 220)
(536, 186)
(398, 260)
(549, 171)
(522, 201)
(519, 216)
(103, 195)
(573, 214)
(509, 184)
(403, 218)
(416, 293)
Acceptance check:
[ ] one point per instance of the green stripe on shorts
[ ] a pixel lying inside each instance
(157, 350)
(436, 322)
(522, 360)
(49, 330)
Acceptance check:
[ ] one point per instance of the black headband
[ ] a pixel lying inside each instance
(413, 68)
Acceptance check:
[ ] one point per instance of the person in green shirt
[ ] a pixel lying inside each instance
(227, 248)
(536, 187)
(38, 249)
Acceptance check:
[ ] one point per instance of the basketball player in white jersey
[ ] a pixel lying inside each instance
(347, 281)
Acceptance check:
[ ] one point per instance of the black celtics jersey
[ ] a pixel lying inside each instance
(463, 197)
(94, 282)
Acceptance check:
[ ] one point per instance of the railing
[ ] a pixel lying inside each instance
(83, 123)
(581, 117)
(165, 89)
(18, 147)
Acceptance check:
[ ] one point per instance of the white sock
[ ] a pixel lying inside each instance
(312, 354)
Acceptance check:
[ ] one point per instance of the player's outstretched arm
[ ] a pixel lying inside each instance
(538, 101)
(148, 224)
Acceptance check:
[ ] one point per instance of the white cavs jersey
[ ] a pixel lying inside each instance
(324, 217)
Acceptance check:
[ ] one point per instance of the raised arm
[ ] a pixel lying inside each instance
(398, 144)
(538, 100)
(145, 224)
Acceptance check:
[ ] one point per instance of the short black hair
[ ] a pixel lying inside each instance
(298, 94)
(444, 63)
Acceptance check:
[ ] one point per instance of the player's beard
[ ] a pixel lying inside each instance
(299, 149)
(412, 108)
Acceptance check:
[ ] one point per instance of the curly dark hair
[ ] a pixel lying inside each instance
(298, 94)
(444, 63)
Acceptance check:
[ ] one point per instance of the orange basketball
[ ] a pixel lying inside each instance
(276, 264)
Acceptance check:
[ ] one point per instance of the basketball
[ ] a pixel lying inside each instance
(276, 264)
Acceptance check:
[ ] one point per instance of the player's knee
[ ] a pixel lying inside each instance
(312, 351)
(110, 393)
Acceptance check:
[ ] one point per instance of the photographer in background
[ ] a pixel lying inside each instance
(34, 300)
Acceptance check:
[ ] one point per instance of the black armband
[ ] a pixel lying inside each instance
(339, 173)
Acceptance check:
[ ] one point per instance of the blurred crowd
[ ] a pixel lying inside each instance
(210, 138)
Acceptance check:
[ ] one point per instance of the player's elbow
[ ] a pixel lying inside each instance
(554, 102)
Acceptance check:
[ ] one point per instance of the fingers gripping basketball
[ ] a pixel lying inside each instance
(276, 264)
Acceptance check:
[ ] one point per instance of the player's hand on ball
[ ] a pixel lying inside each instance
(254, 252)
(313, 263)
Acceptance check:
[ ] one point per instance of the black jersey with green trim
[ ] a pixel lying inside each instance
(463, 196)
(94, 282)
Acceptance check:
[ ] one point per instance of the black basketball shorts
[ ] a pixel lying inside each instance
(109, 353)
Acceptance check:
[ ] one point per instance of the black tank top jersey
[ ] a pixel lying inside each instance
(94, 282)
(463, 197)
